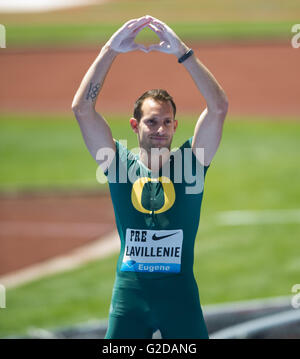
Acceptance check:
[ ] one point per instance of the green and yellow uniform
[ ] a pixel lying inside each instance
(157, 217)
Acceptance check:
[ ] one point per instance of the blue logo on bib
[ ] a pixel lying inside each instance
(130, 263)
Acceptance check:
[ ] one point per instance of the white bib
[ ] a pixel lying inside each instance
(152, 251)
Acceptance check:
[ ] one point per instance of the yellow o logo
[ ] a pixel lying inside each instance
(137, 190)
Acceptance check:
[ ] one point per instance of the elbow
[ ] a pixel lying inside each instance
(77, 113)
(75, 106)
(79, 110)
(221, 106)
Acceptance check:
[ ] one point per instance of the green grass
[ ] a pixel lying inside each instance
(246, 262)
(256, 167)
(43, 153)
(206, 20)
(58, 300)
(48, 152)
(119, 11)
(94, 34)
(258, 159)
(39, 152)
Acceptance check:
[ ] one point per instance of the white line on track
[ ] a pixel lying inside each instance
(238, 218)
(51, 229)
(77, 257)
(110, 244)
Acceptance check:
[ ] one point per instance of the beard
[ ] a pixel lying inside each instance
(155, 151)
(158, 142)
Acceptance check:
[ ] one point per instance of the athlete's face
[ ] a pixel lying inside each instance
(157, 125)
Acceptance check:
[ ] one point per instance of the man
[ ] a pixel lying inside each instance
(157, 214)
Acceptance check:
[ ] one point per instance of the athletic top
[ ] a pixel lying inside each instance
(157, 214)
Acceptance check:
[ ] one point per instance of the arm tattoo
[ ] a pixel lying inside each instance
(93, 91)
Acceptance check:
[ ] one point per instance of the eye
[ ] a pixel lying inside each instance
(150, 122)
(168, 122)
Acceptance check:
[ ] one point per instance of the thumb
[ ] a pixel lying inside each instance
(155, 47)
(141, 47)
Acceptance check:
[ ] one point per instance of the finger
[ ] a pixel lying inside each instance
(161, 25)
(147, 17)
(141, 21)
(161, 28)
(156, 30)
(139, 28)
(124, 29)
(141, 47)
(155, 47)
(130, 22)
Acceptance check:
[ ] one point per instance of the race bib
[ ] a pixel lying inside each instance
(152, 251)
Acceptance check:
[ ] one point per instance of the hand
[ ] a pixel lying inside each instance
(123, 39)
(169, 41)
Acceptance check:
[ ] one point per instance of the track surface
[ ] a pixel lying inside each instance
(35, 228)
(259, 80)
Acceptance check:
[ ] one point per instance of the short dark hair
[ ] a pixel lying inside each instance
(157, 95)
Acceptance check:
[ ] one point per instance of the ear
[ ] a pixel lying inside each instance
(175, 125)
(134, 124)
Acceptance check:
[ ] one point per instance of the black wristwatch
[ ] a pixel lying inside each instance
(185, 56)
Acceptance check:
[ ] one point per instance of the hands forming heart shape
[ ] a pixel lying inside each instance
(123, 39)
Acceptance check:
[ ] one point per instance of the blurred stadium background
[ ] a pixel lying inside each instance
(247, 248)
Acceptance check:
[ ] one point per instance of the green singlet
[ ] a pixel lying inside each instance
(157, 217)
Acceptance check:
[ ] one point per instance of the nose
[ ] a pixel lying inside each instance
(161, 129)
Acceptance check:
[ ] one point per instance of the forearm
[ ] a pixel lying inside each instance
(208, 86)
(212, 92)
(86, 96)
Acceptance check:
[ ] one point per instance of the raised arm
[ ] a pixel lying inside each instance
(95, 130)
(208, 129)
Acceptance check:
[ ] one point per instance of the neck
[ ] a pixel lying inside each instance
(154, 158)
